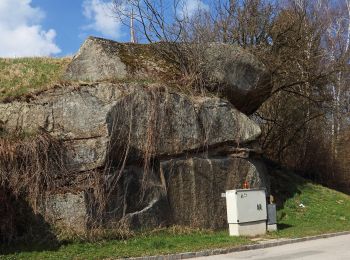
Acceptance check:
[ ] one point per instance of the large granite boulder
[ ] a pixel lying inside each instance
(194, 187)
(101, 121)
(238, 75)
(227, 69)
(159, 122)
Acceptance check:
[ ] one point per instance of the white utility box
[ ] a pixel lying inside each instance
(246, 212)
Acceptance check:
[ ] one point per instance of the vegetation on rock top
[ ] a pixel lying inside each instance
(21, 76)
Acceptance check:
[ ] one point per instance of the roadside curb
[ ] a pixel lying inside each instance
(222, 251)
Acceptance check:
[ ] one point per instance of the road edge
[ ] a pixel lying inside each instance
(221, 251)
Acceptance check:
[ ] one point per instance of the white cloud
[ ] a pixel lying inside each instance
(190, 7)
(21, 32)
(101, 16)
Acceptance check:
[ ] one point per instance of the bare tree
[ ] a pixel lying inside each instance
(304, 45)
(153, 20)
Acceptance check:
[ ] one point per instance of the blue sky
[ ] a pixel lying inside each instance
(54, 27)
(67, 19)
(58, 27)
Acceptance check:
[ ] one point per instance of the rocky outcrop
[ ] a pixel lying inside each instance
(186, 191)
(161, 156)
(228, 69)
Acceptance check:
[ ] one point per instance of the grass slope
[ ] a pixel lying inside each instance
(325, 211)
(22, 76)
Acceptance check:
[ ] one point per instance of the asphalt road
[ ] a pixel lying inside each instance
(334, 248)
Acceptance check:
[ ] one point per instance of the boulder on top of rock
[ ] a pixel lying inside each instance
(238, 75)
(145, 151)
(95, 61)
(228, 69)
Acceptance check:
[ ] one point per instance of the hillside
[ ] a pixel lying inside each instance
(323, 210)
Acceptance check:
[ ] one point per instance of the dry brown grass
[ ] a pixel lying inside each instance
(31, 165)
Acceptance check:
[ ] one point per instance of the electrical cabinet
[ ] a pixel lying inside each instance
(246, 211)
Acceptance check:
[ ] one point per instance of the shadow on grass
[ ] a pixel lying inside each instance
(283, 226)
(28, 247)
(284, 183)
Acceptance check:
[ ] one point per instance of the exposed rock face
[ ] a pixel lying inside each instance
(187, 192)
(73, 212)
(94, 62)
(222, 123)
(194, 187)
(166, 123)
(95, 119)
(68, 211)
(165, 156)
(77, 116)
(234, 72)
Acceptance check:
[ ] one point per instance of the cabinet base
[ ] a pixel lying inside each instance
(248, 229)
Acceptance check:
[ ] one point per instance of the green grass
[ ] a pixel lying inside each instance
(164, 242)
(325, 211)
(21, 76)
